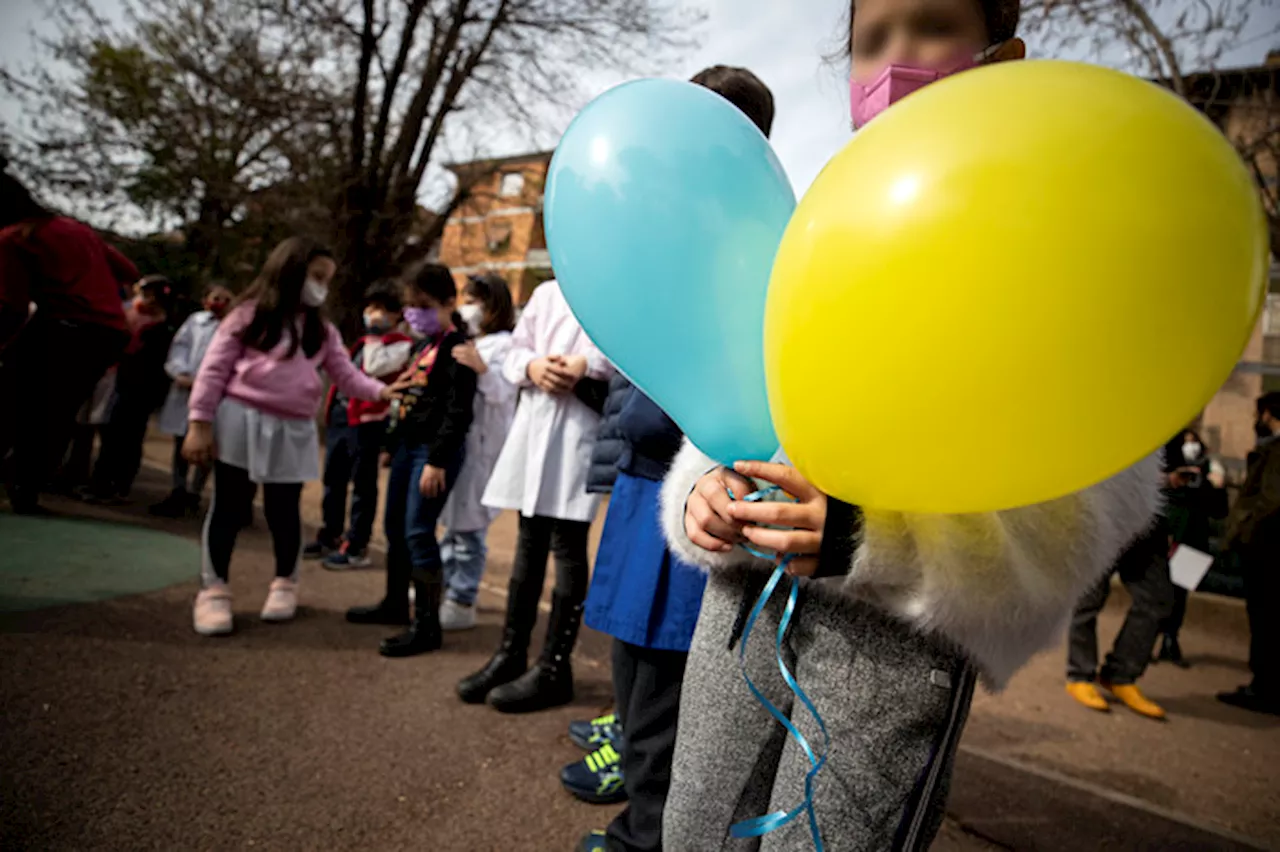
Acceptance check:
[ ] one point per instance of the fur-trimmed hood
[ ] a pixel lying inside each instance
(1001, 586)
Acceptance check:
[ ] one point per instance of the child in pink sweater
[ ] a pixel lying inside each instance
(252, 414)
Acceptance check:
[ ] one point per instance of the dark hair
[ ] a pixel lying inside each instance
(1000, 16)
(16, 202)
(492, 291)
(216, 284)
(277, 294)
(435, 280)
(384, 294)
(1269, 403)
(742, 89)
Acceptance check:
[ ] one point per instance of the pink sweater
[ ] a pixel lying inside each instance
(286, 387)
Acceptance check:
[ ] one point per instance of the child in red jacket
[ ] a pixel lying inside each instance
(354, 432)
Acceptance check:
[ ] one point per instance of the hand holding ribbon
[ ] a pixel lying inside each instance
(805, 513)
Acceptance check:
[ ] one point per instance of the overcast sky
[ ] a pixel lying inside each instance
(784, 48)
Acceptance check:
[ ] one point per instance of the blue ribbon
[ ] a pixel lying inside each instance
(761, 825)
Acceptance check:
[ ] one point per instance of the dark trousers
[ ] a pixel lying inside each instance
(1171, 625)
(1144, 570)
(120, 456)
(48, 372)
(182, 470)
(413, 551)
(540, 536)
(231, 509)
(351, 457)
(1262, 603)
(646, 690)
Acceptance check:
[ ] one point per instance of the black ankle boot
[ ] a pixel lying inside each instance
(424, 634)
(512, 657)
(1171, 652)
(550, 682)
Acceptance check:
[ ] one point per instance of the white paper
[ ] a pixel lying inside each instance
(1188, 566)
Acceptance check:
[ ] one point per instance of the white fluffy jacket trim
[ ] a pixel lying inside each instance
(1001, 586)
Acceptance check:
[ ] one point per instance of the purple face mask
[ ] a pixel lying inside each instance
(424, 321)
(895, 82)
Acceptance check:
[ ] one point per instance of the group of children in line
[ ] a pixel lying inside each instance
(897, 620)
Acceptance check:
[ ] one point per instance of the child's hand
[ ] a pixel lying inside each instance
(185, 381)
(806, 518)
(570, 368)
(467, 355)
(396, 388)
(431, 483)
(544, 376)
(707, 521)
(197, 447)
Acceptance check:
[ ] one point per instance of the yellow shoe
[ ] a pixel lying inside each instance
(1087, 694)
(1132, 697)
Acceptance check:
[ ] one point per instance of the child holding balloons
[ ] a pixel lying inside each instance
(903, 613)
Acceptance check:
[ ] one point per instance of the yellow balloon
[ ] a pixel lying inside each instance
(1013, 284)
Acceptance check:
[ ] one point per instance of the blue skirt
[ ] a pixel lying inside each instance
(641, 593)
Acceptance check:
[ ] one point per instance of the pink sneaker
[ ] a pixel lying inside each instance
(282, 600)
(211, 615)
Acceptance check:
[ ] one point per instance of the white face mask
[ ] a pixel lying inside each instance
(472, 315)
(314, 293)
(1191, 450)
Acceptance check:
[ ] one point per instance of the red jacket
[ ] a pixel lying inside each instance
(383, 357)
(66, 269)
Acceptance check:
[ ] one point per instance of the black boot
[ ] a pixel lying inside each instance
(550, 682)
(393, 609)
(424, 635)
(1171, 652)
(173, 506)
(512, 657)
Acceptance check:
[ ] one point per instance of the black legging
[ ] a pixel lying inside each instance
(232, 509)
(567, 540)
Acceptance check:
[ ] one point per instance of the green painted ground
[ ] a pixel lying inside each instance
(52, 561)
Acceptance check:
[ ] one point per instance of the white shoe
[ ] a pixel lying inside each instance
(455, 616)
(211, 615)
(282, 600)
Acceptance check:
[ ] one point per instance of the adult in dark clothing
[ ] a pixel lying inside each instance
(610, 443)
(1144, 569)
(1253, 532)
(51, 360)
(648, 600)
(1192, 502)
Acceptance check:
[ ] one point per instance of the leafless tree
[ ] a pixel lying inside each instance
(417, 63)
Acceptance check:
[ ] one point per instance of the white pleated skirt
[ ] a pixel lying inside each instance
(271, 448)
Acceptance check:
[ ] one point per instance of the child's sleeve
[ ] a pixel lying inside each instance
(179, 361)
(1003, 585)
(219, 363)
(337, 362)
(459, 394)
(494, 385)
(687, 468)
(516, 365)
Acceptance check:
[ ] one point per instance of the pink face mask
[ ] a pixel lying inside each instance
(895, 82)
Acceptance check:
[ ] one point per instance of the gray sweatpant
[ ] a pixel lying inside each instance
(894, 702)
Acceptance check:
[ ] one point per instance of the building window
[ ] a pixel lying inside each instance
(512, 184)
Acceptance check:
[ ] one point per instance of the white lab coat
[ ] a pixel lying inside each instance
(494, 407)
(542, 469)
(185, 354)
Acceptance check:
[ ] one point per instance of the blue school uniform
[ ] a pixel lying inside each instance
(640, 593)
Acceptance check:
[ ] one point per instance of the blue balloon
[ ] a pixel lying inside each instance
(664, 208)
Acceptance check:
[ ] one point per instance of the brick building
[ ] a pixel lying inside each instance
(499, 227)
(1245, 103)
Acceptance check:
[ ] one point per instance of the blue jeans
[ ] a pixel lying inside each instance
(351, 456)
(410, 522)
(464, 557)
